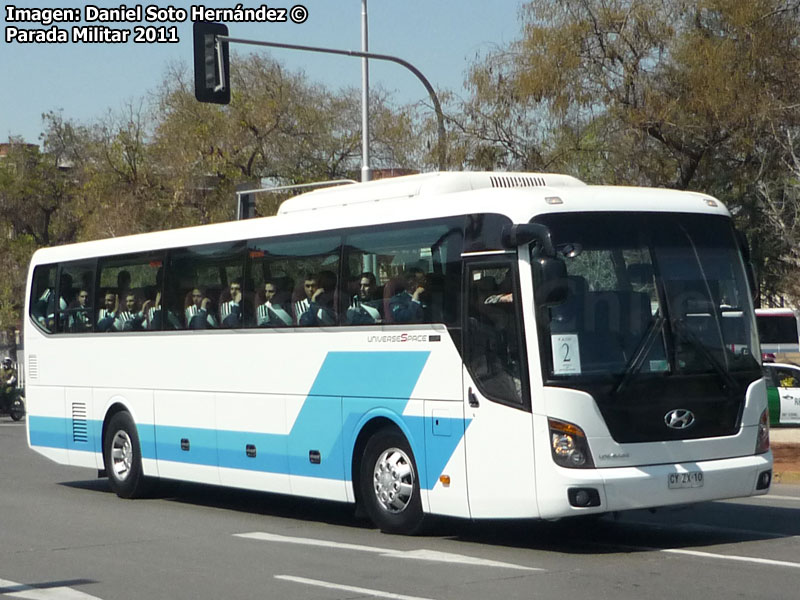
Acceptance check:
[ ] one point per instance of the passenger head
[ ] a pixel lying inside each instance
(236, 288)
(83, 297)
(130, 303)
(367, 286)
(109, 301)
(415, 278)
(6, 362)
(270, 289)
(310, 285)
(197, 297)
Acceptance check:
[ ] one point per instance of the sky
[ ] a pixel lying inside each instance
(85, 81)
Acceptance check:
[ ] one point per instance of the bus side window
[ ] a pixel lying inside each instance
(296, 280)
(416, 270)
(76, 298)
(492, 344)
(43, 298)
(200, 286)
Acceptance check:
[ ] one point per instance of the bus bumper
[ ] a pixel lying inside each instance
(628, 488)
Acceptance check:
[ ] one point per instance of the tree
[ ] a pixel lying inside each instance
(278, 127)
(37, 198)
(671, 93)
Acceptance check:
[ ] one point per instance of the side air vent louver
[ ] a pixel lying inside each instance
(33, 367)
(80, 426)
(510, 181)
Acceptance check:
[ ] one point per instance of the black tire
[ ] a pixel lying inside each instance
(123, 457)
(17, 409)
(389, 484)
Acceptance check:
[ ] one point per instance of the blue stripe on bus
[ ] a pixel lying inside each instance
(343, 393)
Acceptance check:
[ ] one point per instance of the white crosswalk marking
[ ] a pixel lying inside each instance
(750, 559)
(348, 588)
(12, 589)
(421, 554)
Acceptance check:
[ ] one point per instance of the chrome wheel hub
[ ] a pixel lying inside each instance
(121, 455)
(393, 480)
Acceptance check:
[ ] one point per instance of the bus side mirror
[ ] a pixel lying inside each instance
(549, 281)
(525, 233)
(212, 81)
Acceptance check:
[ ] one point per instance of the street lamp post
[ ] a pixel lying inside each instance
(366, 172)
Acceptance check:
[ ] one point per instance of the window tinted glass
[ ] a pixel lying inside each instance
(777, 329)
(43, 297)
(76, 298)
(130, 292)
(294, 281)
(204, 287)
(492, 350)
(404, 275)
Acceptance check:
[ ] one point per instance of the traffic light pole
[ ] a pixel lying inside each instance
(437, 107)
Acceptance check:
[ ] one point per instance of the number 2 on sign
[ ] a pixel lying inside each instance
(566, 354)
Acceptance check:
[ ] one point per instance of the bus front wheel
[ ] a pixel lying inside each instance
(389, 484)
(123, 457)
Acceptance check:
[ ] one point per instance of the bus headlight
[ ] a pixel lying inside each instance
(762, 440)
(569, 446)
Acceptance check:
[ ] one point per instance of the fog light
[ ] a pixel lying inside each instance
(583, 497)
(764, 479)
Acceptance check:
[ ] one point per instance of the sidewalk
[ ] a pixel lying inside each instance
(785, 443)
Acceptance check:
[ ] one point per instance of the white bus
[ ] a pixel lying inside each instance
(480, 345)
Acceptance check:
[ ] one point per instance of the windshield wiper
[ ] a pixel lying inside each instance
(679, 325)
(640, 353)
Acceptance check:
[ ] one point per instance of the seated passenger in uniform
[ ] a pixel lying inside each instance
(130, 319)
(230, 312)
(302, 305)
(274, 312)
(365, 305)
(408, 304)
(198, 314)
(80, 319)
(108, 314)
(320, 311)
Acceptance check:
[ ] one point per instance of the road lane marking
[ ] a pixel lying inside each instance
(421, 554)
(348, 588)
(759, 561)
(13, 589)
(776, 497)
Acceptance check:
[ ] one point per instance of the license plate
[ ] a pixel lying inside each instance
(693, 479)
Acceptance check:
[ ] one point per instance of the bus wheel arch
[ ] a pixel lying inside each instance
(386, 478)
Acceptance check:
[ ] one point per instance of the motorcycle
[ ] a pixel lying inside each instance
(12, 401)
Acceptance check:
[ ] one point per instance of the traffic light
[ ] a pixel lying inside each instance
(212, 81)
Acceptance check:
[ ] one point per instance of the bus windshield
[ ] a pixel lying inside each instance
(649, 293)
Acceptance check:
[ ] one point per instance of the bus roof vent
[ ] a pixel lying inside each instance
(425, 184)
(510, 181)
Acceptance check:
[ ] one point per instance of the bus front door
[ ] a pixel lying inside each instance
(499, 436)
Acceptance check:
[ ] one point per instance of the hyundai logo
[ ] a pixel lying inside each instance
(680, 418)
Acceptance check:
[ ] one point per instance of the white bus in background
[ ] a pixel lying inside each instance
(480, 345)
(778, 330)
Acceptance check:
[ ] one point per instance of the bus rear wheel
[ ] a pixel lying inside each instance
(123, 457)
(389, 484)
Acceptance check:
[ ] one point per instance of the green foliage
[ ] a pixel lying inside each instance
(677, 93)
(174, 162)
